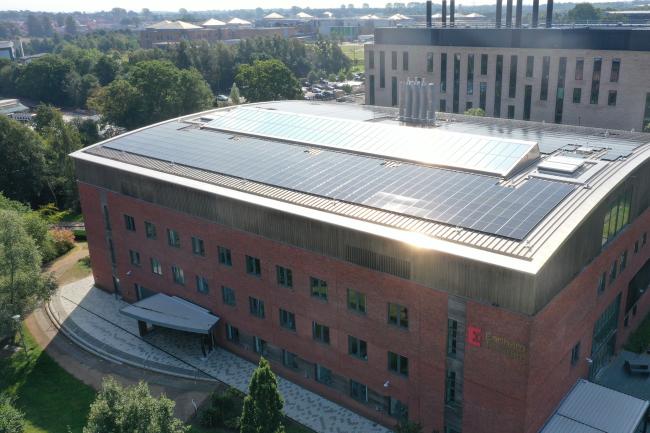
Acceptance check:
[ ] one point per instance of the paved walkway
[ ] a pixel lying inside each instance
(91, 317)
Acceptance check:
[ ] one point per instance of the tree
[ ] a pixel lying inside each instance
(118, 409)
(475, 112)
(262, 411)
(11, 419)
(267, 80)
(23, 156)
(44, 80)
(34, 26)
(70, 25)
(234, 94)
(584, 12)
(106, 69)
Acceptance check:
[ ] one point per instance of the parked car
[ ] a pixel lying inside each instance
(222, 98)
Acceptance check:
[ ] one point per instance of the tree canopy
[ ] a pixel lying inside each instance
(262, 412)
(584, 12)
(267, 80)
(11, 419)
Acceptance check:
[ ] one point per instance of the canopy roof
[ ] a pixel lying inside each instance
(273, 16)
(213, 23)
(239, 21)
(172, 312)
(303, 15)
(173, 25)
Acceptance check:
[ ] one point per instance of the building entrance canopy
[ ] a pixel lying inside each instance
(172, 312)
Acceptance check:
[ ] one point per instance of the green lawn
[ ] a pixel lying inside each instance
(355, 53)
(51, 398)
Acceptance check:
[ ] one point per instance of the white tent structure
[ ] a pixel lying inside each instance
(273, 16)
(369, 17)
(239, 22)
(328, 14)
(398, 17)
(213, 23)
(304, 15)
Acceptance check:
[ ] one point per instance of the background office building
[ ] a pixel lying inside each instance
(579, 76)
(458, 274)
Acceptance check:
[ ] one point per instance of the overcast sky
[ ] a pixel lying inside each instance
(200, 5)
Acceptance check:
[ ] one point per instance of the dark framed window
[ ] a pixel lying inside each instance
(575, 354)
(371, 59)
(287, 320)
(323, 375)
(156, 267)
(528, 96)
(178, 274)
(112, 250)
(611, 98)
(623, 261)
(443, 105)
(616, 69)
(358, 391)
(429, 62)
(617, 216)
(289, 360)
(393, 60)
(512, 83)
(382, 70)
(482, 95)
(580, 67)
(498, 81)
(256, 307)
(202, 285)
(636, 247)
(577, 95)
(232, 333)
(398, 315)
(357, 348)
(559, 93)
(450, 387)
(228, 295)
(456, 89)
(173, 238)
(470, 74)
(134, 256)
(397, 409)
(107, 220)
(613, 272)
(484, 64)
(393, 91)
(253, 266)
(530, 66)
(198, 247)
(602, 282)
(511, 111)
(546, 67)
(405, 60)
(398, 364)
(443, 72)
(150, 230)
(129, 223)
(225, 258)
(356, 301)
(318, 288)
(595, 81)
(259, 345)
(452, 337)
(321, 332)
(284, 276)
(468, 105)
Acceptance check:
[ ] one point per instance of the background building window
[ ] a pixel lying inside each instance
(512, 84)
(135, 257)
(371, 59)
(256, 307)
(484, 64)
(323, 375)
(382, 70)
(358, 391)
(429, 62)
(202, 284)
(393, 60)
(357, 348)
(289, 360)
(611, 98)
(259, 345)
(398, 363)
(129, 222)
(178, 275)
(595, 80)
(511, 111)
(225, 258)
(156, 267)
(232, 333)
(450, 388)
(318, 288)
(528, 96)
(530, 65)
(173, 238)
(228, 295)
(616, 69)
(405, 60)
(580, 67)
(398, 315)
(321, 333)
(150, 230)
(287, 320)
(443, 73)
(198, 247)
(498, 80)
(284, 276)
(482, 95)
(577, 95)
(253, 266)
(575, 354)
(546, 66)
(356, 301)
(470, 74)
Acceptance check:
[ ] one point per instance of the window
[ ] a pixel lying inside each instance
(456, 82)
(318, 288)
(580, 66)
(150, 230)
(443, 105)
(135, 257)
(287, 320)
(228, 295)
(397, 409)
(398, 363)
(468, 105)
(107, 220)
(546, 66)
(259, 345)
(482, 95)
(452, 337)
(616, 68)
(470, 74)
(602, 282)
(173, 239)
(644, 238)
(371, 86)
(559, 93)
(512, 85)
(646, 110)
(323, 375)
(528, 96)
(112, 250)
(393, 91)
(595, 80)
(289, 360)
(358, 391)
(443, 73)
(575, 354)
(198, 247)
(577, 95)
(611, 98)
(429, 62)
(497, 86)
(617, 217)
(382, 70)
(178, 275)
(225, 257)
(256, 307)
(356, 301)
(253, 266)
(321, 332)
(232, 333)
(393, 60)
(511, 111)
(484, 64)
(636, 247)
(202, 284)
(156, 267)
(129, 222)
(450, 387)
(623, 260)
(284, 276)
(613, 271)
(530, 65)
(371, 59)
(398, 315)
(405, 60)
(357, 348)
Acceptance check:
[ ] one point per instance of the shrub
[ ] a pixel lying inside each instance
(79, 235)
(224, 410)
(11, 419)
(63, 240)
(475, 112)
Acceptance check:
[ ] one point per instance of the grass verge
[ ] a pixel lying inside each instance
(354, 52)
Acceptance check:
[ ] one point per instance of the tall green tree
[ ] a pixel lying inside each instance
(11, 419)
(262, 411)
(70, 25)
(584, 12)
(267, 80)
(45, 80)
(106, 69)
(117, 409)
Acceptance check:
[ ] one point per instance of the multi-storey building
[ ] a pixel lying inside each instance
(464, 275)
(579, 76)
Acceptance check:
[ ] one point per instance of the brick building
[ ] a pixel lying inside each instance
(464, 274)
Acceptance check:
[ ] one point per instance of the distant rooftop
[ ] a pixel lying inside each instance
(173, 25)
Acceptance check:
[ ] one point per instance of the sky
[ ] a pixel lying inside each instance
(201, 5)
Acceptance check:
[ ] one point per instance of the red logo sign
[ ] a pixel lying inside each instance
(474, 335)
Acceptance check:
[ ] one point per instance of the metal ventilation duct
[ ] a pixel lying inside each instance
(416, 102)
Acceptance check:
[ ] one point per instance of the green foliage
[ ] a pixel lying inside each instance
(234, 94)
(328, 56)
(267, 80)
(131, 410)
(262, 411)
(475, 112)
(106, 69)
(88, 131)
(45, 79)
(646, 128)
(407, 426)
(11, 419)
(583, 12)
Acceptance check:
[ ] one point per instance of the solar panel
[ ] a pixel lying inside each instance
(470, 200)
(491, 155)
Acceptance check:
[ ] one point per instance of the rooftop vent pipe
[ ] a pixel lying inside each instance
(535, 13)
(549, 14)
(508, 13)
(518, 12)
(416, 102)
(429, 13)
(444, 13)
(452, 12)
(498, 17)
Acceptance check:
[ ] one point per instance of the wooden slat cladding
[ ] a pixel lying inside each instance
(379, 262)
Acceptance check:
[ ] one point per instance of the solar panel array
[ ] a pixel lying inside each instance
(492, 155)
(468, 200)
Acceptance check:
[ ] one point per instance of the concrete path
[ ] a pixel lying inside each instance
(91, 318)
